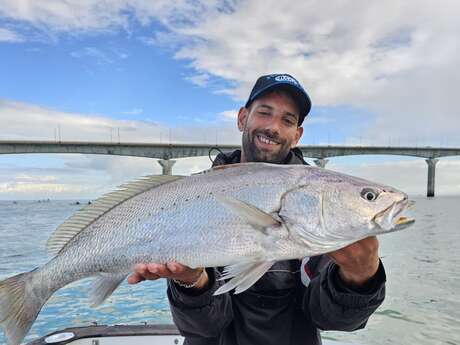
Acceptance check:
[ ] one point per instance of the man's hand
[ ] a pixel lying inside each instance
(358, 262)
(172, 270)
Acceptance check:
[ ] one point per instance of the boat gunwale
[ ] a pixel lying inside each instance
(102, 331)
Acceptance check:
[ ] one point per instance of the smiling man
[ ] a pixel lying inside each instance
(271, 120)
(295, 299)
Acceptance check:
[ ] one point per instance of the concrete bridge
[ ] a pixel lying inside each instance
(167, 152)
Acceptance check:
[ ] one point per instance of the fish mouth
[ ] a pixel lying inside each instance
(391, 219)
(403, 222)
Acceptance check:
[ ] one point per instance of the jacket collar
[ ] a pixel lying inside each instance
(294, 156)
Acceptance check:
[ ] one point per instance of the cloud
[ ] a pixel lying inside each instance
(7, 35)
(20, 188)
(229, 115)
(30, 182)
(46, 124)
(134, 111)
(23, 121)
(58, 16)
(79, 17)
(320, 120)
(199, 79)
(94, 53)
(82, 176)
(89, 176)
(85, 176)
(29, 178)
(397, 60)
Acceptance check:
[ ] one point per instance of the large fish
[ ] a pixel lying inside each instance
(244, 217)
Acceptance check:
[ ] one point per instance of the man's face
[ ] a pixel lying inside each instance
(269, 128)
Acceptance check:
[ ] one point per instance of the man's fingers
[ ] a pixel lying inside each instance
(176, 268)
(153, 271)
(140, 268)
(169, 270)
(141, 273)
(135, 278)
(157, 269)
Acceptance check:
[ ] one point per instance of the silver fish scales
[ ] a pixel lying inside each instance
(244, 217)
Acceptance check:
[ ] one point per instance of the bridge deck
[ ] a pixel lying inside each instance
(171, 151)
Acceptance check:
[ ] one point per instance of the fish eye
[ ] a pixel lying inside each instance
(369, 194)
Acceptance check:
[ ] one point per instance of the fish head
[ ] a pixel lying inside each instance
(333, 210)
(355, 207)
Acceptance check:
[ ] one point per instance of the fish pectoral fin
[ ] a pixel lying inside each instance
(103, 286)
(243, 276)
(250, 213)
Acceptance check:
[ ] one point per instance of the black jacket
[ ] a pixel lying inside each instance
(279, 308)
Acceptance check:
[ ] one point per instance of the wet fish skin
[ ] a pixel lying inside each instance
(245, 217)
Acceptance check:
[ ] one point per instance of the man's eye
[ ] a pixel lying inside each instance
(264, 113)
(289, 122)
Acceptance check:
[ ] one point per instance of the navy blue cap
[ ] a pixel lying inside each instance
(285, 82)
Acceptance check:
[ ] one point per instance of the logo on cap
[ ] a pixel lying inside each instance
(284, 78)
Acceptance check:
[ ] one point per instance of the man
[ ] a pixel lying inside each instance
(293, 300)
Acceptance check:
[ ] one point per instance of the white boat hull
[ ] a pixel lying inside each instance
(122, 335)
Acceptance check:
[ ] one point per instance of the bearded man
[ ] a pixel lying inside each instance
(295, 299)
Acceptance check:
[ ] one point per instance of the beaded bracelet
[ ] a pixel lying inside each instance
(191, 285)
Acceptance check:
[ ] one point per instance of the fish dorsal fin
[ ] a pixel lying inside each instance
(90, 213)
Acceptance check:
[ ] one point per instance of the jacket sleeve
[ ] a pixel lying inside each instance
(200, 314)
(331, 305)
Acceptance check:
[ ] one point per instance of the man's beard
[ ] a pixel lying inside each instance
(253, 154)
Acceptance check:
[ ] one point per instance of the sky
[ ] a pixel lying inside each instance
(378, 73)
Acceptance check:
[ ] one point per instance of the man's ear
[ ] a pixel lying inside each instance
(242, 118)
(298, 135)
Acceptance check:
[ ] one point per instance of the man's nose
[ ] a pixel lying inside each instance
(274, 125)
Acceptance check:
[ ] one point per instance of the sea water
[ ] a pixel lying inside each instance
(422, 263)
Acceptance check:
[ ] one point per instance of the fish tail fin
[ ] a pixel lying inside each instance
(20, 305)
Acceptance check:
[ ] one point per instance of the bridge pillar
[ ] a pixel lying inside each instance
(321, 162)
(167, 165)
(431, 174)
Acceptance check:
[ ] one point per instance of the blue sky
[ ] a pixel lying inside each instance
(378, 74)
(111, 74)
(120, 76)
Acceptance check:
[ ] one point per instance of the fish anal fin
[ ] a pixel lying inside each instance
(250, 213)
(103, 286)
(243, 276)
